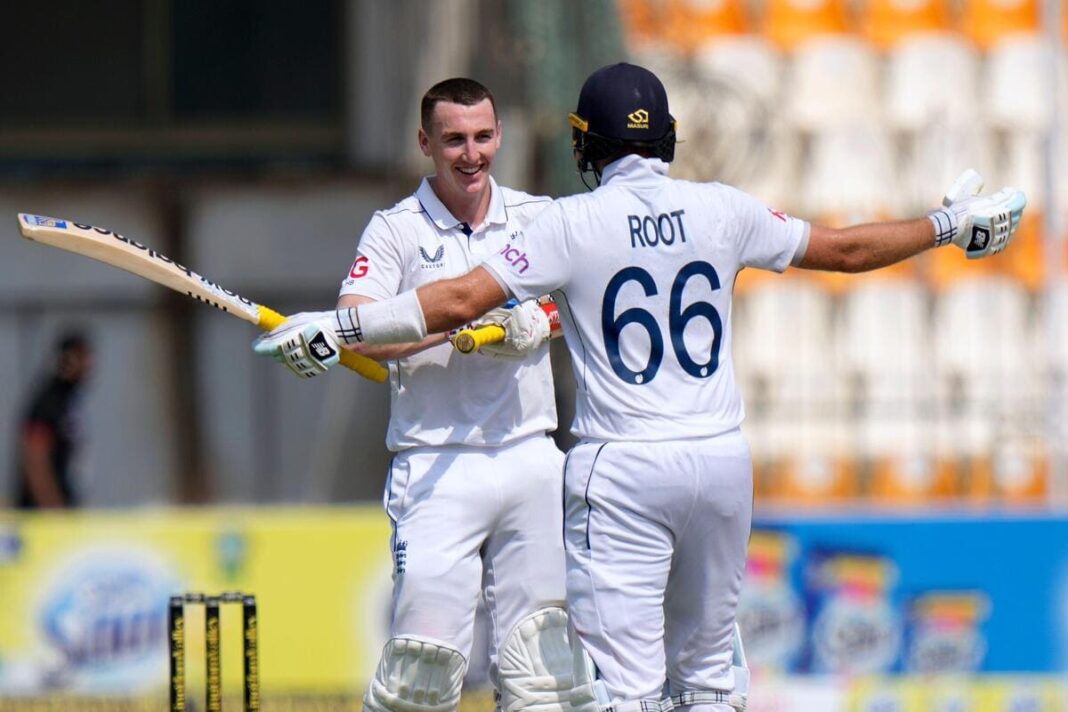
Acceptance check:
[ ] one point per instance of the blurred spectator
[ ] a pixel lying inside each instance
(49, 429)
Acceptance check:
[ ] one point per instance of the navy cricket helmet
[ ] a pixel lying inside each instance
(622, 106)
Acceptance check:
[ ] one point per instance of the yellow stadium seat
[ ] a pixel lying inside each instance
(915, 479)
(683, 24)
(1023, 260)
(788, 23)
(690, 23)
(643, 21)
(811, 479)
(1006, 479)
(987, 22)
(885, 22)
(946, 266)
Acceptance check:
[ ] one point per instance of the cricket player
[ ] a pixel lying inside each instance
(658, 492)
(473, 493)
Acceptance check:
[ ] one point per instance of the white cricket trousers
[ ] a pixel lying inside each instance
(471, 520)
(656, 536)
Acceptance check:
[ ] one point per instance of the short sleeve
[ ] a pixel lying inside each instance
(767, 239)
(379, 265)
(538, 260)
(45, 409)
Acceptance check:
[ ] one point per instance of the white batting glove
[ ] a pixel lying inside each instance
(306, 343)
(980, 226)
(526, 327)
(497, 315)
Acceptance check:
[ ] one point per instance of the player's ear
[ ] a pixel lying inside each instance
(424, 142)
(499, 134)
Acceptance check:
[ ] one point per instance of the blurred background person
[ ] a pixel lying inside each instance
(51, 429)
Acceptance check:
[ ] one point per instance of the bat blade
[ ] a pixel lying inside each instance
(119, 251)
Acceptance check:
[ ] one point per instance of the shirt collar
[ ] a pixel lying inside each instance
(633, 166)
(445, 220)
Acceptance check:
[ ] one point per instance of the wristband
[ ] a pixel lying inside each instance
(397, 320)
(945, 226)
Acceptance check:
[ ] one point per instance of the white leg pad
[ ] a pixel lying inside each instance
(416, 675)
(537, 667)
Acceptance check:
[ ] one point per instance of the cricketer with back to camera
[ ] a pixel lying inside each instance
(658, 492)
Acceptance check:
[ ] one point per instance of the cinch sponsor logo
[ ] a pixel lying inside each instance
(516, 258)
(400, 556)
(638, 119)
(359, 267)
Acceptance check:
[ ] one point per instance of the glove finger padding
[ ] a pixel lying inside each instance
(497, 316)
(526, 328)
(967, 185)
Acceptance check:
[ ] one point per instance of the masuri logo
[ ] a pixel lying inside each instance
(638, 119)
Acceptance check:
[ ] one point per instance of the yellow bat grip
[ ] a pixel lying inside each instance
(362, 365)
(470, 340)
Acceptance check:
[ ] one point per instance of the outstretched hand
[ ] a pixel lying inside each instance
(979, 225)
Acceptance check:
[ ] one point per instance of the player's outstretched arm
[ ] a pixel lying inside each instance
(861, 248)
(979, 225)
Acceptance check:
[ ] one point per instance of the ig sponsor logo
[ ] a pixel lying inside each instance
(359, 268)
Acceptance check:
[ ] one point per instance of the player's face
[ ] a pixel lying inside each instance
(462, 142)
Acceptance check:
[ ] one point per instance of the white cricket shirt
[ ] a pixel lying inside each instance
(440, 396)
(642, 269)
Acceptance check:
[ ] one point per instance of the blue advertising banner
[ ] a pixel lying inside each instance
(878, 593)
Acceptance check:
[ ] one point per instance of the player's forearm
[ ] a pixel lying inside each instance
(451, 303)
(862, 248)
(392, 352)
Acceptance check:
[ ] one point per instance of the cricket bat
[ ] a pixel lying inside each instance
(122, 252)
(468, 341)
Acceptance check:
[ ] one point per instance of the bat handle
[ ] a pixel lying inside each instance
(470, 340)
(368, 368)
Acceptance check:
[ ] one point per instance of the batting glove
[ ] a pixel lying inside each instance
(980, 226)
(306, 343)
(526, 327)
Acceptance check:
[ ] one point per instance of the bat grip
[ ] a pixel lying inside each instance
(470, 340)
(368, 368)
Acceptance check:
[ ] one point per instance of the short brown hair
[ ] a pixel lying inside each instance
(458, 90)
